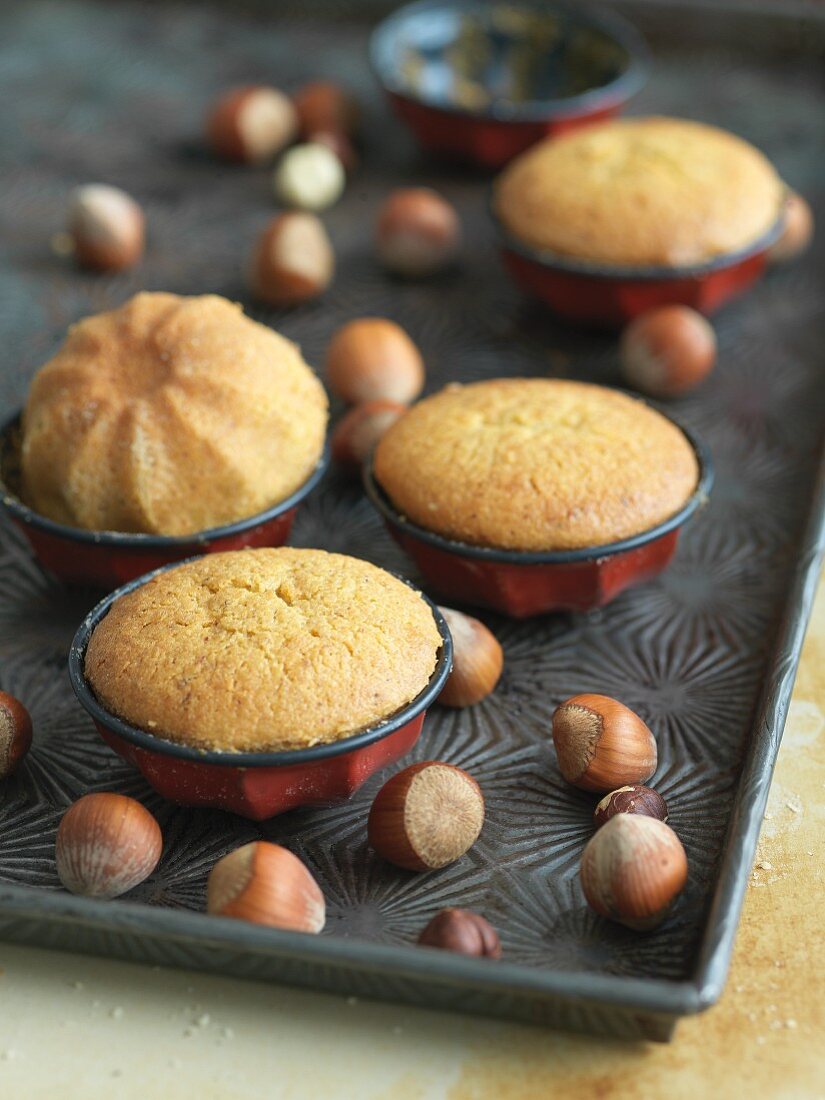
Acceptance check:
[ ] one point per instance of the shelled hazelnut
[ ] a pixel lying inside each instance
(15, 733)
(477, 661)
(266, 884)
(107, 227)
(797, 232)
(359, 430)
(373, 359)
(426, 816)
(293, 260)
(417, 233)
(251, 124)
(633, 869)
(634, 799)
(602, 744)
(309, 177)
(462, 931)
(323, 106)
(668, 351)
(106, 844)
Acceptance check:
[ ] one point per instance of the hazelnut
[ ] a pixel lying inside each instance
(373, 359)
(417, 233)
(325, 106)
(797, 232)
(477, 661)
(601, 744)
(107, 227)
(426, 816)
(358, 431)
(266, 884)
(251, 124)
(293, 260)
(340, 144)
(633, 869)
(106, 844)
(667, 351)
(310, 177)
(634, 799)
(462, 931)
(15, 733)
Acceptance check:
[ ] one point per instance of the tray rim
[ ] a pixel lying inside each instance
(674, 998)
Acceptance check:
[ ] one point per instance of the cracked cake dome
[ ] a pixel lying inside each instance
(168, 416)
(640, 192)
(263, 650)
(535, 464)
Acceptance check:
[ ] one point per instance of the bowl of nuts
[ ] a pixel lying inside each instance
(484, 81)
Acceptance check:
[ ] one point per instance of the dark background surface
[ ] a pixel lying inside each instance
(116, 93)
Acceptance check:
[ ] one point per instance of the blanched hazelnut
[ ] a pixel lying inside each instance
(668, 351)
(107, 227)
(797, 233)
(602, 744)
(252, 124)
(293, 260)
(373, 359)
(357, 432)
(325, 106)
(310, 177)
(417, 233)
(462, 931)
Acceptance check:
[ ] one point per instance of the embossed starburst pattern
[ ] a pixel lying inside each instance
(689, 651)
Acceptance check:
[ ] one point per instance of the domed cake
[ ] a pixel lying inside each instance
(169, 416)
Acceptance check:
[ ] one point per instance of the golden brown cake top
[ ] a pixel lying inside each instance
(258, 650)
(169, 416)
(535, 464)
(644, 191)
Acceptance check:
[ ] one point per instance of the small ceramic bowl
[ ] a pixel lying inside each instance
(524, 583)
(106, 559)
(256, 785)
(484, 81)
(608, 295)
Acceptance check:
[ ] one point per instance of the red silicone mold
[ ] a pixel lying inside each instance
(107, 559)
(520, 583)
(492, 135)
(256, 785)
(610, 296)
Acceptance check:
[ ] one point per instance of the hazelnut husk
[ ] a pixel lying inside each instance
(462, 931)
(633, 799)
(15, 733)
(632, 870)
(602, 744)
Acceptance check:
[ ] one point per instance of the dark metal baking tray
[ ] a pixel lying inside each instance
(706, 654)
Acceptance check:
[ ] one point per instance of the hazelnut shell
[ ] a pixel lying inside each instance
(372, 359)
(478, 660)
(266, 884)
(15, 733)
(462, 931)
(602, 744)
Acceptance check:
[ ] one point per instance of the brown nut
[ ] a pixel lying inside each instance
(601, 744)
(15, 733)
(477, 661)
(667, 351)
(325, 106)
(418, 233)
(462, 931)
(426, 816)
(107, 227)
(358, 431)
(106, 844)
(797, 232)
(633, 869)
(634, 799)
(340, 144)
(293, 260)
(373, 359)
(266, 884)
(251, 124)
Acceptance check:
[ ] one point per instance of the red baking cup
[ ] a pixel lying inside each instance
(257, 785)
(107, 559)
(525, 583)
(493, 135)
(603, 295)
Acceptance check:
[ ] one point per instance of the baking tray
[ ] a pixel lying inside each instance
(706, 654)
